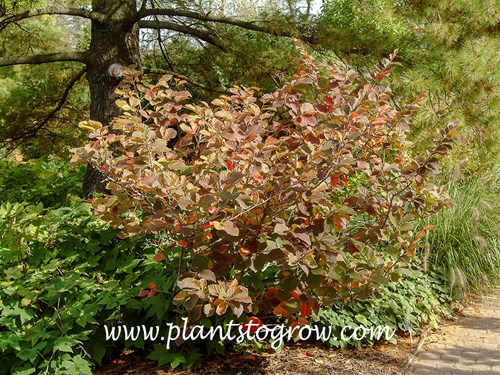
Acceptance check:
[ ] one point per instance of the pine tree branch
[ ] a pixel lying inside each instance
(208, 18)
(202, 35)
(62, 10)
(62, 100)
(42, 59)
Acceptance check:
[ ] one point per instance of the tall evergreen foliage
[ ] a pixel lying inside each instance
(448, 50)
(30, 93)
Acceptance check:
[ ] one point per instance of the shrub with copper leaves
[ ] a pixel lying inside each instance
(315, 181)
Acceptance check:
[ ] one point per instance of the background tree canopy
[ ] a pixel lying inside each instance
(447, 51)
(115, 39)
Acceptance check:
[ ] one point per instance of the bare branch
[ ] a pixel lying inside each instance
(143, 5)
(187, 79)
(163, 51)
(160, 44)
(42, 59)
(208, 18)
(202, 35)
(77, 12)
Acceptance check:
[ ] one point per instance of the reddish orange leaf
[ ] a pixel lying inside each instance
(271, 293)
(159, 256)
(230, 164)
(280, 310)
(295, 294)
(256, 324)
(305, 310)
(244, 251)
(302, 321)
(334, 180)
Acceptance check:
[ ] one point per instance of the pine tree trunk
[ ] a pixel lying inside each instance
(115, 41)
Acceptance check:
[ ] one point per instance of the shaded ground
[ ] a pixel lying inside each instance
(298, 359)
(470, 345)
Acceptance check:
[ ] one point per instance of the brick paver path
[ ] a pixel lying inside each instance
(469, 346)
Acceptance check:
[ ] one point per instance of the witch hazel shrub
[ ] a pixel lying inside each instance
(275, 203)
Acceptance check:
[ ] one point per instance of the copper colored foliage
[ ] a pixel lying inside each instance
(316, 179)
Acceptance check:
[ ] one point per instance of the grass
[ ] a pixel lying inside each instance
(464, 246)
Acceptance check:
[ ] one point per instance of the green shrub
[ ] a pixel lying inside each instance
(48, 181)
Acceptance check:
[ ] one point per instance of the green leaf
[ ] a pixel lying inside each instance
(164, 356)
(28, 371)
(14, 310)
(32, 354)
(362, 319)
(76, 366)
(9, 340)
(65, 344)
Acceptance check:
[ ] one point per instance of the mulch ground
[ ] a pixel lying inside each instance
(298, 359)
(305, 358)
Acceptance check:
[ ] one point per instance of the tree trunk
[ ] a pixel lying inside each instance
(115, 41)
